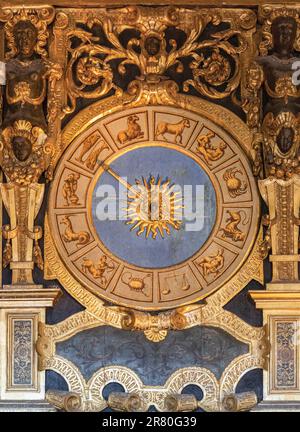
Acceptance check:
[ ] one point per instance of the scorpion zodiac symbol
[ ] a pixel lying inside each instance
(134, 283)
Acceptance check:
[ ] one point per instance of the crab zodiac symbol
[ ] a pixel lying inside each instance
(234, 184)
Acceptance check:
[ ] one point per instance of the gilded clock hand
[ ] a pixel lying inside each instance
(108, 169)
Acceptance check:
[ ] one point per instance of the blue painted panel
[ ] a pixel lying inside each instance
(207, 347)
(179, 245)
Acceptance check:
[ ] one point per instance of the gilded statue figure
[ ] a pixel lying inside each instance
(281, 96)
(26, 139)
(28, 73)
(276, 132)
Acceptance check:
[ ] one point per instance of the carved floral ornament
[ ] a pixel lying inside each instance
(95, 63)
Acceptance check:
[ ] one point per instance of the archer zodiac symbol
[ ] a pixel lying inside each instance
(208, 151)
(233, 183)
(232, 230)
(97, 270)
(69, 189)
(82, 237)
(212, 264)
(172, 129)
(133, 130)
(134, 283)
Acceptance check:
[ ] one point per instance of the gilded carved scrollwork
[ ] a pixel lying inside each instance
(93, 65)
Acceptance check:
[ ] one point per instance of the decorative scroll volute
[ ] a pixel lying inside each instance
(97, 65)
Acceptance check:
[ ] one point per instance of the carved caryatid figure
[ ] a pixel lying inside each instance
(26, 145)
(276, 141)
(281, 119)
(275, 112)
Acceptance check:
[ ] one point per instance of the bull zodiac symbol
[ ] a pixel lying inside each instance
(172, 129)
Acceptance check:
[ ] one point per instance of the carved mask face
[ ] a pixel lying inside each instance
(284, 31)
(22, 148)
(25, 35)
(285, 139)
(152, 45)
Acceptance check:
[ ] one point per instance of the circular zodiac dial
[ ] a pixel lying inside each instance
(153, 208)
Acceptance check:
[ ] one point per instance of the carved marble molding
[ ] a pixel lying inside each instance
(213, 390)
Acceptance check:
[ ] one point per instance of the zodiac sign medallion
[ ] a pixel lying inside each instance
(69, 235)
(69, 189)
(133, 130)
(98, 269)
(172, 129)
(231, 229)
(156, 207)
(234, 184)
(207, 150)
(212, 264)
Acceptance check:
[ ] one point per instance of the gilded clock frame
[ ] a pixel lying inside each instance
(154, 327)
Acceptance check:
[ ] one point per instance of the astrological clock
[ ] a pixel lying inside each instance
(203, 214)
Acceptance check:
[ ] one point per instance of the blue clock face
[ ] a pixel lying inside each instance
(159, 245)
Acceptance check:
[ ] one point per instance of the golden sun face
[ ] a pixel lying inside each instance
(153, 207)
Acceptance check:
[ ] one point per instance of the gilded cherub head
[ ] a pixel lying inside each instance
(26, 33)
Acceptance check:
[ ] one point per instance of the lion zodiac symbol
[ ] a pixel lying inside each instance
(232, 230)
